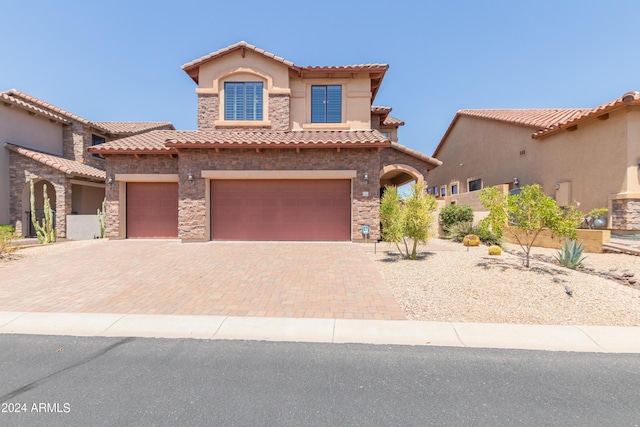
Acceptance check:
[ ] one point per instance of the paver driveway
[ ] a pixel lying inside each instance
(329, 280)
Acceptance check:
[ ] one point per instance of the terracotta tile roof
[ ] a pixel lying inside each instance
(276, 138)
(168, 141)
(538, 118)
(45, 105)
(232, 48)
(12, 100)
(392, 121)
(153, 141)
(67, 166)
(132, 128)
(629, 98)
(347, 68)
(375, 109)
(431, 160)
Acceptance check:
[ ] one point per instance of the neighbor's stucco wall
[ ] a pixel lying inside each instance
(592, 158)
(20, 128)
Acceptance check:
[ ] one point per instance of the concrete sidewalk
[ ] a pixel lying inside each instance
(607, 339)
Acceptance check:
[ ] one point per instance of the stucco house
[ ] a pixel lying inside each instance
(589, 157)
(282, 152)
(46, 144)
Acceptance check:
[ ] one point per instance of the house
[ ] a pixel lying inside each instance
(48, 145)
(588, 157)
(282, 152)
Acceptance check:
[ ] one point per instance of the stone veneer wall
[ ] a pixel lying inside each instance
(21, 170)
(279, 114)
(73, 142)
(207, 111)
(390, 156)
(625, 214)
(192, 209)
(129, 164)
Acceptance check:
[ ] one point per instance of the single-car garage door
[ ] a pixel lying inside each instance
(274, 209)
(152, 209)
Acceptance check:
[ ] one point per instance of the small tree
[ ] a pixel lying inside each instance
(407, 219)
(527, 214)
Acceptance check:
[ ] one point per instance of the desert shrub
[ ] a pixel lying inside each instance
(570, 255)
(451, 215)
(459, 231)
(471, 240)
(7, 232)
(495, 250)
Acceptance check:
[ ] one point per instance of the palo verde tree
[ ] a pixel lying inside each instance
(526, 214)
(407, 220)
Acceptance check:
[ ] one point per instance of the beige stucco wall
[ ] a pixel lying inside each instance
(20, 128)
(356, 89)
(633, 151)
(594, 158)
(356, 101)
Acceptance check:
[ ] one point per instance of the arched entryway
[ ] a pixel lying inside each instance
(38, 190)
(399, 175)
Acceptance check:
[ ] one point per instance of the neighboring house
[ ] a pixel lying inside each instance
(589, 157)
(282, 152)
(49, 145)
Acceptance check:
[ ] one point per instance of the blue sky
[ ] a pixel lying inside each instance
(120, 60)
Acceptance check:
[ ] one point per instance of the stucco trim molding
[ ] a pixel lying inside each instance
(280, 174)
(147, 177)
(624, 196)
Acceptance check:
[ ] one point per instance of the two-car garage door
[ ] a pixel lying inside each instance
(266, 209)
(272, 209)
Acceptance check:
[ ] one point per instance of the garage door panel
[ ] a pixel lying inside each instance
(281, 210)
(152, 210)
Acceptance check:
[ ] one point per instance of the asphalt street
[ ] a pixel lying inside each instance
(67, 381)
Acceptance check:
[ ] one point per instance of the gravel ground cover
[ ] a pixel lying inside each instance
(452, 284)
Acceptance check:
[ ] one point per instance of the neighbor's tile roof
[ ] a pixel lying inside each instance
(537, 117)
(40, 103)
(392, 121)
(131, 128)
(67, 166)
(33, 108)
(38, 106)
(629, 98)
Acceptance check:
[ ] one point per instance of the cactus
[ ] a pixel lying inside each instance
(570, 255)
(495, 250)
(471, 240)
(102, 219)
(46, 231)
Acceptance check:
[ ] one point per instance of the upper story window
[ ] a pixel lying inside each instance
(243, 101)
(97, 140)
(326, 104)
(475, 184)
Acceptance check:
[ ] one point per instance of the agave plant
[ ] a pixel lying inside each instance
(570, 255)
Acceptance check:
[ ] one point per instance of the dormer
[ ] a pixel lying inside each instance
(242, 87)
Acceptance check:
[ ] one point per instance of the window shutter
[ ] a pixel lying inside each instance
(334, 104)
(318, 104)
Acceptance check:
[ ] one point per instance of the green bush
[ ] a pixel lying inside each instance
(451, 215)
(459, 231)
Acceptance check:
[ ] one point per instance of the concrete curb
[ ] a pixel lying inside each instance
(601, 339)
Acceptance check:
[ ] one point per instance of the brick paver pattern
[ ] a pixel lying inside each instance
(270, 279)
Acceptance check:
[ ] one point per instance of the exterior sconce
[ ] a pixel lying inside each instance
(110, 181)
(516, 182)
(190, 177)
(366, 178)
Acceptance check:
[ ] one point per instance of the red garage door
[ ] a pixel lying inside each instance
(281, 210)
(152, 209)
